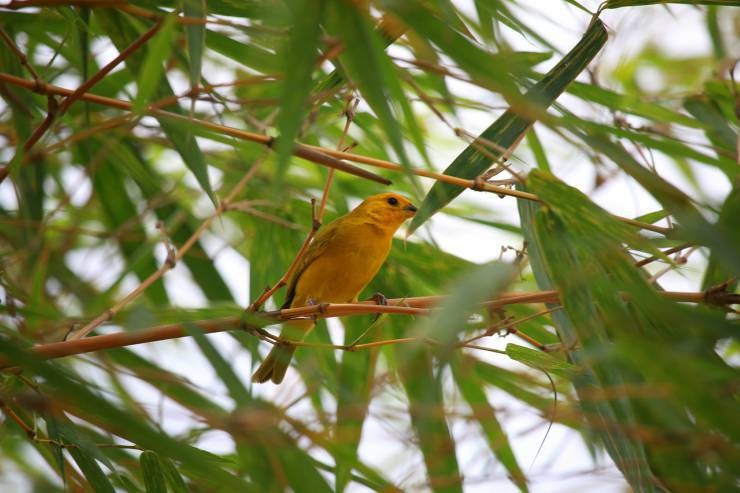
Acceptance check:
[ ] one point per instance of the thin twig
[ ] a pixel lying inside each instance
(55, 112)
(22, 58)
(170, 263)
(319, 155)
(509, 325)
(411, 306)
(316, 217)
(315, 155)
(667, 252)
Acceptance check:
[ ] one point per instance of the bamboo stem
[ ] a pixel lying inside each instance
(404, 306)
(55, 112)
(303, 151)
(318, 155)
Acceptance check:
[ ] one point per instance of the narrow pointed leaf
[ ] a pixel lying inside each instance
(615, 4)
(236, 388)
(471, 388)
(151, 471)
(123, 34)
(299, 60)
(196, 37)
(152, 68)
(367, 63)
(510, 127)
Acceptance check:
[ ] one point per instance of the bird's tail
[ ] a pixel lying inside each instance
(275, 365)
(278, 360)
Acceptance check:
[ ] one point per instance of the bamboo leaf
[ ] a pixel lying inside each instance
(232, 382)
(471, 389)
(123, 34)
(299, 58)
(423, 386)
(628, 454)
(247, 54)
(510, 127)
(151, 471)
(368, 64)
(196, 37)
(541, 361)
(175, 482)
(694, 227)
(615, 4)
(424, 391)
(79, 397)
(92, 471)
(152, 68)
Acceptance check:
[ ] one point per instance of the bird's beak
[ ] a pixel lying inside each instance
(411, 208)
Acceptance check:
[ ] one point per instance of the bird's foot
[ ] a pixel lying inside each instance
(380, 300)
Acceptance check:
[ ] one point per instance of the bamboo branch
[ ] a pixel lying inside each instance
(309, 153)
(171, 262)
(319, 155)
(55, 112)
(401, 306)
(667, 252)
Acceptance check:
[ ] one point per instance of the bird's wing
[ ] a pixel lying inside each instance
(315, 249)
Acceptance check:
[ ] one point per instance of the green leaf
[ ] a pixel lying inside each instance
(725, 241)
(426, 403)
(87, 404)
(236, 388)
(151, 471)
(179, 222)
(122, 216)
(354, 384)
(152, 69)
(423, 386)
(123, 34)
(508, 129)
(716, 273)
(541, 361)
(628, 454)
(367, 63)
(92, 471)
(471, 387)
(174, 481)
(615, 4)
(299, 56)
(717, 128)
(435, 26)
(535, 145)
(624, 103)
(472, 287)
(196, 37)
(247, 54)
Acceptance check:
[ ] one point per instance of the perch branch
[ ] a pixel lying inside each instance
(171, 262)
(407, 306)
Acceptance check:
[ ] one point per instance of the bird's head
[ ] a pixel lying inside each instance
(388, 210)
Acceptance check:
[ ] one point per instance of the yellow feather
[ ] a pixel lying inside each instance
(342, 259)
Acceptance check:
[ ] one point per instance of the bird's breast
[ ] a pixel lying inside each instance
(347, 265)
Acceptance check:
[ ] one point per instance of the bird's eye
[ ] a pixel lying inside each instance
(393, 200)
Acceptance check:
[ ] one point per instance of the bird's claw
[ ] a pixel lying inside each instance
(379, 299)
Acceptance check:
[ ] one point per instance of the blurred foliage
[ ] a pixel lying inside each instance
(86, 214)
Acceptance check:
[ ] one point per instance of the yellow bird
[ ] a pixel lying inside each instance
(343, 258)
